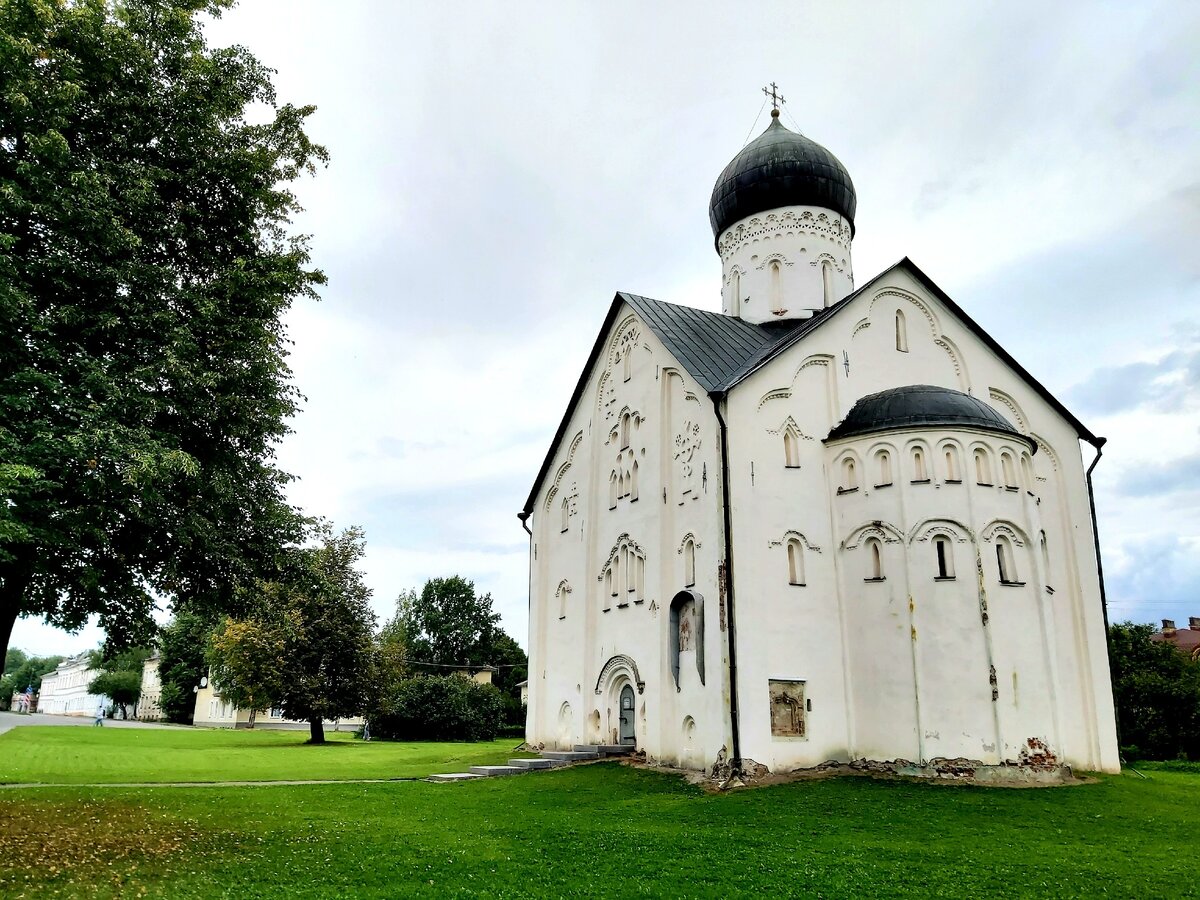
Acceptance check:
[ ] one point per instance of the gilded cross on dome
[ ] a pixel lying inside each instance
(776, 97)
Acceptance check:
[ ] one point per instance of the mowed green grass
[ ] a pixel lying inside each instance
(59, 755)
(605, 830)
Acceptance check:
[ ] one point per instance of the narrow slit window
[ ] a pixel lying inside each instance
(612, 491)
(945, 557)
(1027, 473)
(776, 286)
(1010, 474)
(849, 476)
(827, 282)
(631, 561)
(1004, 561)
(919, 473)
(791, 449)
(616, 575)
(628, 363)
(983, 468)
(641, 577)
(952, 465)
(795, 562)
(901, 333)
(884, 460)
(689, 563)
(1045, 556)
(562, 601)
(633, 482)
(566, 512)
(735, 294)
(625, 431)
(874, 560)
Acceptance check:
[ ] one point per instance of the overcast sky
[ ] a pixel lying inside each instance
(499, 170)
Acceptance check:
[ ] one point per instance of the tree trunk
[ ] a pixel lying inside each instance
(316, 731)
(250, 721)
(8, 618)
(14, 579)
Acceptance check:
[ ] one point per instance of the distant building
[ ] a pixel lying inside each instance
(150, 702)
(524, 688)
(1186, 639)
(212, 711)
(65, 690)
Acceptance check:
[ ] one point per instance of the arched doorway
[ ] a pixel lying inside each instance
(627, 732)
(618, 686)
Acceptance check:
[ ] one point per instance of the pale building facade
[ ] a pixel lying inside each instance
(149, 705)
(830, 523)
(213, 711)
(64, 691)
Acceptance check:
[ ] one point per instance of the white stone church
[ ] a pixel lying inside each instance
(836, 521)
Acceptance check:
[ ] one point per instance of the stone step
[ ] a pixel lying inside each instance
(454, 776)
(537, 763)
(569, 755)
(605, 749)
(492, 771)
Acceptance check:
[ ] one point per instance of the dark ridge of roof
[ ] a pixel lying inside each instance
(780, 168)
(921, 406)
(712, 347)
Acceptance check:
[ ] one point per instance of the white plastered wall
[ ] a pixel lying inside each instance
(577, 625)
(876, 656)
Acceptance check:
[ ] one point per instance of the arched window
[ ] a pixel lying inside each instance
(849, 475)
(952, 474)
(795, 553)
(563, 590)
(919, 472)
(689, 563)
(1010, 473)
(1045, 556)
(874, 560)
(735, 293)
(613, 487)
(625, 431)
(884, 461)
(641, 578)
(901, 333)
(566, 512)
(791, 449)
(945, 556)
(616, 574)
(1027, 472)
(608, 587)
(628, 362)
(827, 282)
(776, 286)
(633, 482)
(983, 467)
(1004, 561)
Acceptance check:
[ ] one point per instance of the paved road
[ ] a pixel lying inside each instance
(10, 720)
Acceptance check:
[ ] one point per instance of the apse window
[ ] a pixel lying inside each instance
(883, 462)
(920, 473)
(1009, 471)
(795, 553)
(874, 560)
(952, 475)
(689, 563)
(945, 558)
(789, 712)
(791, 449)
(983, 468)
(901, 333)
(849, 476)
(1004, 561)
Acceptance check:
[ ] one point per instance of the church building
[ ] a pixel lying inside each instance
(834, 521)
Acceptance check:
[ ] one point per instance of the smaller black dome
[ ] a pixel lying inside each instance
(921, 406)
(780, 168)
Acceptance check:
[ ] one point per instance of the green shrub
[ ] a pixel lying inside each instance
(439, 708)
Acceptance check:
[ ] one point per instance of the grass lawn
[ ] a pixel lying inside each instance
(51, 755)
(604, 830)
(599, 830)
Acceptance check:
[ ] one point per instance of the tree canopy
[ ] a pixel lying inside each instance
(181, 663)
(447, 624)
(246, 661)
(1157, 689)
(145, 265)
(22, 671)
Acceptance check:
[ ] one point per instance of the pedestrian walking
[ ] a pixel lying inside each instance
(99, 717)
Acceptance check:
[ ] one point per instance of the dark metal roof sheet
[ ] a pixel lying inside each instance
(780, 168)
(921, 406)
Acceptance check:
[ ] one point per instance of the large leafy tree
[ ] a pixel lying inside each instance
(1157, 689)
(145, 264)
(329, 653)
(120, 677)
(246, 661)
(448, 624)
(26, 673)
(181, 663)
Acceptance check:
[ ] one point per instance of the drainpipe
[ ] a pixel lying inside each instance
(1099, 443)
(734, 715)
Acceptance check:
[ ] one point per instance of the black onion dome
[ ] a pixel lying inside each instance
(922, 406)
(780, 168)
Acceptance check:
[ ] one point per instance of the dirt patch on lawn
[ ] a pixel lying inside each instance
(91, 849)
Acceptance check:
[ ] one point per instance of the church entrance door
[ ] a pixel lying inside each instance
(627, 732)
